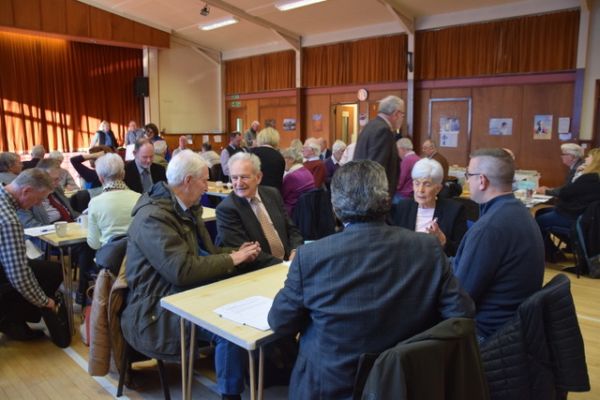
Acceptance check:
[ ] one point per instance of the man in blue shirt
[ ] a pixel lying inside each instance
(500, 260)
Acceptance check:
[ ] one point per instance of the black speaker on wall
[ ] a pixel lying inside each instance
(140, 86)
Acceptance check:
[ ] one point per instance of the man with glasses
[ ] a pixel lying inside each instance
(571, 156)
(500, 260)
(377, 140)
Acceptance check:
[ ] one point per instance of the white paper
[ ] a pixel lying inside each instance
(448, 139)
(32, 250)
(564, 123)
(40, 230)
(252, 311)
(129, 152)
(217, 139)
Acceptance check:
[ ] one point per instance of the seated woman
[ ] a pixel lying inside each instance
(443, 218)
(297, 179)
(109, 214)
(66, 180)
(573, 199)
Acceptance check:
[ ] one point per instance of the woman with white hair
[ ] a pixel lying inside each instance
(443, 218)
(297, 179)
(109, 214)
(67, 182)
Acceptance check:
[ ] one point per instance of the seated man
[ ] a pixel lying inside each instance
(37, 153)
(361, 290)
(141, 172)
(10, 167)
(88, 174)
(500, 260)
(56, 207)
(311, 151)
(26, 287)
(169, 250)
(253, 213)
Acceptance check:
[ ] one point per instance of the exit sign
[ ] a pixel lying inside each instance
(236, 104)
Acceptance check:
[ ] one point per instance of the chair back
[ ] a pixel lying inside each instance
(215, 173)
(80, 200)
(313, 214)
(111, 255)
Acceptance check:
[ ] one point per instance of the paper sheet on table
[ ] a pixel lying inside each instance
(40, 230)
(129, 152)
(32, 251)
(252, 311)
(542, 197)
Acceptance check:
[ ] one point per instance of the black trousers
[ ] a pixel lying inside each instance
(14, 307)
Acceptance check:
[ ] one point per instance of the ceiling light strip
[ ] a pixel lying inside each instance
(290, 5)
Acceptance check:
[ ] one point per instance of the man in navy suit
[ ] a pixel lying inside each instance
(141, 173)
(361, 290)
(377, 141)
(253, 213)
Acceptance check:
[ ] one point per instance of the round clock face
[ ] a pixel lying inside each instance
(362, 94)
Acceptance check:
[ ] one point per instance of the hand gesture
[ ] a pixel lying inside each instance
(246, 253)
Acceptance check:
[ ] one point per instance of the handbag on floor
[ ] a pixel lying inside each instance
(57, 322)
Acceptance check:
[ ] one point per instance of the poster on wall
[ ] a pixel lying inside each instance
(564, 128)
(270, 123)
(289, 124)
(542, 127)
(501, 126)
(449, 129)
(317, 122)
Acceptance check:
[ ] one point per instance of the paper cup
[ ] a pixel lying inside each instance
(61, 228)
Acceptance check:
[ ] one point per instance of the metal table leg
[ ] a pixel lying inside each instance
(68, 285)
(184, 385)
(261, 365)
(252, 375)
(191, 360)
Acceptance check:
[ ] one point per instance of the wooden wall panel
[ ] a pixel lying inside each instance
(6, 16)
(27, 14)
(54, 16)
(100, 24)
(317, 117)
(498, 102)
(279, 113)
(122, 29)
(78, 19)
(544, 155)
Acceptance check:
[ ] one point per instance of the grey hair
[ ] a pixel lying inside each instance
(110, 167)
(38, 151)
(428, 168)
(160, 147)
(405, 143)
(268, 136)
(253, 158)
(185, 163)
(572, 149)
(338, 145)
(7, 160)
(48, 164)
(35, 178)
(314, 145)
(56, 155)
(359, 192)
(497, 165)
(291, 153)
(390, 104)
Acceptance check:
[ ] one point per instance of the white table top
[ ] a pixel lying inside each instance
(197, 305)
(75, 234)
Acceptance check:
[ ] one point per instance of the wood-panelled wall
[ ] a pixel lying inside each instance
(381, 59)
(539, 43)
(73, 19)
(267, 72)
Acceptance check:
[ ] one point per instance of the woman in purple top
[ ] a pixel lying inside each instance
(297, 179)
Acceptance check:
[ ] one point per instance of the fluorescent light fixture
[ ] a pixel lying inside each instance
(218, 24)
(290, 5)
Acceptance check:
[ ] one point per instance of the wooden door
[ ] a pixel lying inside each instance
(236, 120)
(345, 123)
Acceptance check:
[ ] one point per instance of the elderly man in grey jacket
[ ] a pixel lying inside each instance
(169, 250)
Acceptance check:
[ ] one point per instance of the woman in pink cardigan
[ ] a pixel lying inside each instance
(296, 180)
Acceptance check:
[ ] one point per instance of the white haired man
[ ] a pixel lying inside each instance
(571, 156)
(377, 140)
(311, 151)
(332, 163)
(170, 250)
(404, 188)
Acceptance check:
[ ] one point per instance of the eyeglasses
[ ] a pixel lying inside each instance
(468, 175)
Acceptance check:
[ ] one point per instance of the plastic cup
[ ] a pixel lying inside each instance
(61, 228)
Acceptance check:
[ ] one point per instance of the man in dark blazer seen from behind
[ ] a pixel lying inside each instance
(141, 173)
(377, 139)
(253, 213)
(362, 290)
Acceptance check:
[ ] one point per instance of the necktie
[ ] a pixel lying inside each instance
(146, 180)
(268, 229)
(62, 210)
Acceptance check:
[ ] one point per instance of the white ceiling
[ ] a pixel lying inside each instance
(330, 21)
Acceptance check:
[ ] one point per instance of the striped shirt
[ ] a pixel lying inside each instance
(13, 254)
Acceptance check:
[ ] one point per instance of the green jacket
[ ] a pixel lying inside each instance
(162, 259)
